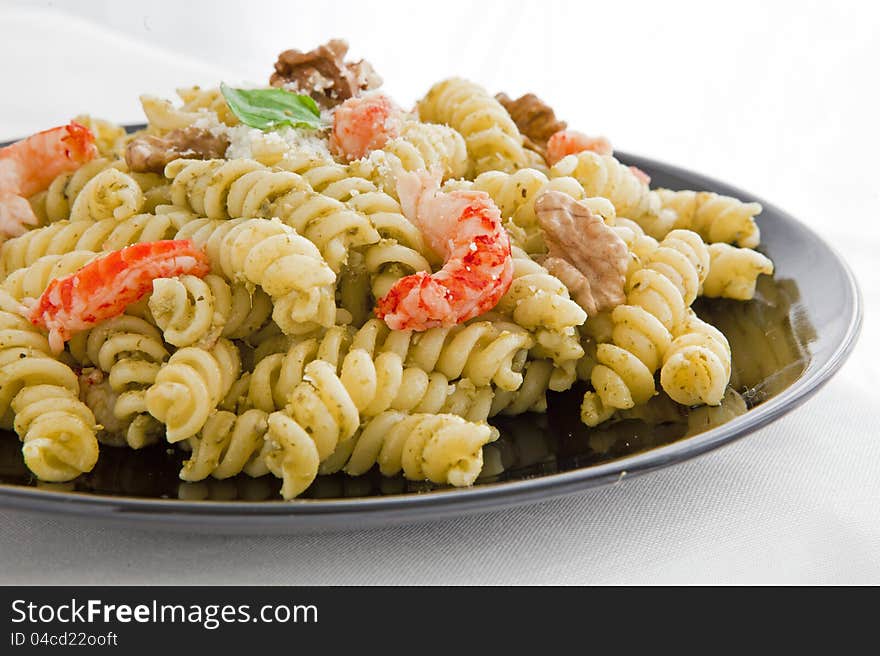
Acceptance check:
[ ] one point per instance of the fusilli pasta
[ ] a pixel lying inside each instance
(110, 194)
(716, 218)
(130, 351)
(733, 272)
(221, 189)
(492, 138)
(247, 320)
(227, 444)
(603, 175)
(190, 385)
(420, 146)
(109, 234)
(56, 428)
(696, 365)
(268, 253)
(657, 300)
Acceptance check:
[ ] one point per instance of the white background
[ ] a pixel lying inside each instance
(778, 98)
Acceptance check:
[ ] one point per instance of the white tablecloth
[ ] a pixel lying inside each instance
(780, 101)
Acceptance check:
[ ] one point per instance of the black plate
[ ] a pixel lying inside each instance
(787, 343)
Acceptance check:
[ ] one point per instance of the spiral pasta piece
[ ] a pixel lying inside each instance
(111, 235)
(227, 444)
(319, 170)
(537, 299)
(696, 366)
(420, 146)
(464, 399)
(485, 352)
(683, 258)
(39, 400)
(185, 309)
(540, 303)
(657, 300)
(163, 116)
(191, 385)
(716, 218)
(532, 394)
(444, 449)
(376, 378)
(603, 175)
(64, 236)
(56, 428)
(196, 311)
(31, 281)
(130, 351)
(639, 244)
(400, 249)
(275, 375)
(320, 415)
(733, 272)
(221, 189)
(55, 239)
(381, 382)
(18, 340)
(331, 225)
(111, 194)
(198, 99)
(54, 204)
(269, 253)
(203, 186)
(492, 138)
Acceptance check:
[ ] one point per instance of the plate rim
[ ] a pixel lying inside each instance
(436, 504)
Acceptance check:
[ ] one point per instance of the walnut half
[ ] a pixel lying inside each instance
(584, 253)
(324, 73)
(151, 154)
(535, 119)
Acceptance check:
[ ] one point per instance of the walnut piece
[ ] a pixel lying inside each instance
(149, 153)
(585, 254)
(535, 119)
(324, 74)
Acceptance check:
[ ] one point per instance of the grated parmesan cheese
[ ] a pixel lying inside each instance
(271, 147)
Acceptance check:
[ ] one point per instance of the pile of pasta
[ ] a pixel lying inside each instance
(274, 362)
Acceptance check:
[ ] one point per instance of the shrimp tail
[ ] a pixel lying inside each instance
(15, 214)
(410, 186)
(79, 143)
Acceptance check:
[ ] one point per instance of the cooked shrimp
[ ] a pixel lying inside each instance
(641, 175)
(105, 287)
(30, 165)
(570, 142)
(465, 228)
(361, 125)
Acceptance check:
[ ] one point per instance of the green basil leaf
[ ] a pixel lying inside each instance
(267, 109)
